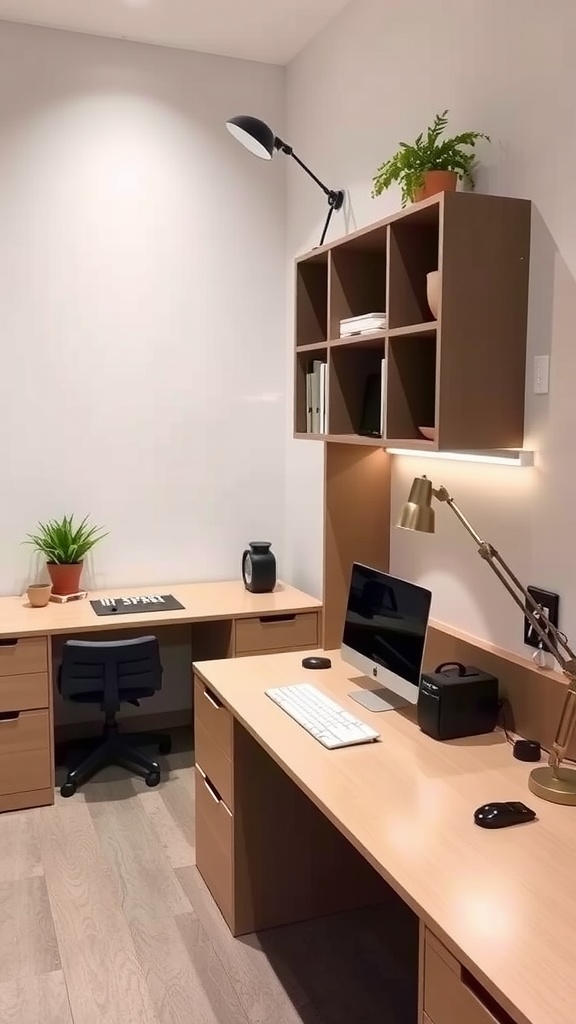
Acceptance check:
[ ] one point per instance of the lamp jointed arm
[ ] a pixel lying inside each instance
(552, 639)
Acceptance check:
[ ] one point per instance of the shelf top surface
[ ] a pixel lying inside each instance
(502, 901)
(428, 211)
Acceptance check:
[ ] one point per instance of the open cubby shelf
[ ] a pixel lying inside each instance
(462, 373)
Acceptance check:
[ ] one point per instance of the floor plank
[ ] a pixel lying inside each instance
(19, 846)
(27, 938)
(170, 808)
(103, 976)
(149, 888)
(261, 993)
(185, 978)
(41, 1000)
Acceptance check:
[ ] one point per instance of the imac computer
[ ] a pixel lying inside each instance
(384, 637)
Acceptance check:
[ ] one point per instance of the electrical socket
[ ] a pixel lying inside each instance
(550, 603)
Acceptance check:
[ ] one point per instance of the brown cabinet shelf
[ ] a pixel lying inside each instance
(464, 373)
(372, 340)
(427, 329)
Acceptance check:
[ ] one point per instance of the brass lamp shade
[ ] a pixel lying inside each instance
(417, 513)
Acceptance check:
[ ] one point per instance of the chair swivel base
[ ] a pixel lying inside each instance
(115, 750)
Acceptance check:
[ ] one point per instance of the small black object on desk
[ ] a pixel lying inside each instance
(316, 662)
(527, 750)
(259, 567)
(457, 700)
(501, 815)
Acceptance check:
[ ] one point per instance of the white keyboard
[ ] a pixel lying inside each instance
(322, 717)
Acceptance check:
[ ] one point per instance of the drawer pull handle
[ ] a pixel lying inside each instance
(212, 790)
(9, 716)
(212, 699)
(9, 642)
(276, 618)
(484, 997)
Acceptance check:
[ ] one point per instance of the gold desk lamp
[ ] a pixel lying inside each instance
(554, 783)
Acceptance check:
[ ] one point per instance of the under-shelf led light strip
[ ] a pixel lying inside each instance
(503, 457)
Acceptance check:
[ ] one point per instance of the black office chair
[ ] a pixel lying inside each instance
(110, 674)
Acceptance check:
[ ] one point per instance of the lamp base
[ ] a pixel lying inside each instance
(558, 788)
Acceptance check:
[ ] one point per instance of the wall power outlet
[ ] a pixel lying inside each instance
(550, 603)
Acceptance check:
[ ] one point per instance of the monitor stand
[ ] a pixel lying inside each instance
(379, 698)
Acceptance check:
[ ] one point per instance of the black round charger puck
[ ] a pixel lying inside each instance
(527, 750)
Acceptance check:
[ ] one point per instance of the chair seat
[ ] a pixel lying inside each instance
(95, 697)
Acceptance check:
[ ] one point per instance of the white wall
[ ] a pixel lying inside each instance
(376, 75)
(142, 298)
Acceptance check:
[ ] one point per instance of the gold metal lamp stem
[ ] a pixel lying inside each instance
(554, 782)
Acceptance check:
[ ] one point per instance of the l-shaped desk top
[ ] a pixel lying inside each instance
(202, 602)
(504, 901)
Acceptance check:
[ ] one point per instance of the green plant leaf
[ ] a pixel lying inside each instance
(428, 152)
(61, 541)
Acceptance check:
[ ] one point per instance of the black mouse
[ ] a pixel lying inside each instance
(500, 815)
(316, 662)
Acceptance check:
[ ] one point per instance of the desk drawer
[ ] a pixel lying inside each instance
(213, 716)
(448, 993)
(20, 693)
(214, 838)
(276, 633)
(19, 657)
(25, 759)
(214, 760)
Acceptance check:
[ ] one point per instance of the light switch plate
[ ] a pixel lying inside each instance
(541, 375)
(550, 603)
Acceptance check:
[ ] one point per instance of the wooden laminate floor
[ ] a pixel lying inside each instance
(105, 920)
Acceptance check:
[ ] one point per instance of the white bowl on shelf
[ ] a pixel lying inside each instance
(428, 432)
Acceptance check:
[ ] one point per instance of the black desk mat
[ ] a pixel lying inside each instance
(133, 605)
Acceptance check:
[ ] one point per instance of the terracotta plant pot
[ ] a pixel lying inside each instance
(39, 594)
(65, 578)
(435, 182)
(433, 291)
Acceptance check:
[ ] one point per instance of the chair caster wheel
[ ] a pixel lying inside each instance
(152, 779)
(68, 789)
(165, 745)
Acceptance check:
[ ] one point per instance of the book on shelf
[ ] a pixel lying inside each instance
(373, 421)
(363, 324)
(316, 398)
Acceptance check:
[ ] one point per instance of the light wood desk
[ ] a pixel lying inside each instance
(497, 910)
(225, 621)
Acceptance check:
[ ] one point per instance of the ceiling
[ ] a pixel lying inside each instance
(265, 30)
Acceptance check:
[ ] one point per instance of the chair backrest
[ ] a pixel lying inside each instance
(110, 668)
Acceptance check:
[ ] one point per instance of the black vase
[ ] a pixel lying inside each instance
(259, 567)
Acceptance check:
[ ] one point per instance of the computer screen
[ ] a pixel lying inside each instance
(385, 632)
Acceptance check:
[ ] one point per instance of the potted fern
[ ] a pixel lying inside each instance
(430, 164)
(65, 546)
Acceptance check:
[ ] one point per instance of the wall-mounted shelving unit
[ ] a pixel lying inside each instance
(462, 374)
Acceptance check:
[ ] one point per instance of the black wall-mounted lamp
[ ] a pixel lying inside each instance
(257, 137)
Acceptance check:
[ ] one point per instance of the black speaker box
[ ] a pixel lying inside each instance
(457, 700)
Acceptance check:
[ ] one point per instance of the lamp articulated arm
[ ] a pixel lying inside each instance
(335, 196)
(552, 639)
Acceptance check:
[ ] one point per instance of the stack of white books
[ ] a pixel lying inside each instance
(316, 398)
(363, 324)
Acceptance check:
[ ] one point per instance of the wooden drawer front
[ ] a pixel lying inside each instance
(448, 997)
(214, 761)
(214, 838)
(213, 716)
(25, 759)
(276, 633)
(19, 657)
(19, 693)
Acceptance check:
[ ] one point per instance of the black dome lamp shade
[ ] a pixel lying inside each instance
(260, 140)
